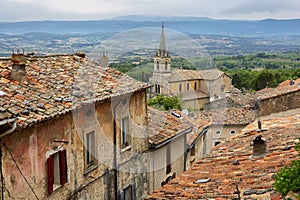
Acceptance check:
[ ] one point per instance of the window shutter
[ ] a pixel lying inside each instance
(133, 191)
(50, 165)
(63, 167)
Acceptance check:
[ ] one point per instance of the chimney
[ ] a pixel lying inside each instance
(103, 60)
(259, 146)
(18, 71)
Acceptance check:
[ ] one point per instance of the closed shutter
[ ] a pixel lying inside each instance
(133, 191)
(63, 167)
(50, 165)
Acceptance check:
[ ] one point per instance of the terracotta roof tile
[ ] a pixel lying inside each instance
(163, 125)
(58, 84)
(231, 165)
(229, 116)
(274, 92)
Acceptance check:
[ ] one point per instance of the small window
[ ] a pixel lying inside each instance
(218, 132)
(217, 143)
(166, 65)
(168, 159)
(233, 132)
(222, 88)
(187, 86)
(195, 86)
(125, 137)
(90, 150)
(157, 65)
(193, 151)
(129, 193)
(57, 170)
(157, 89)
(180, 87)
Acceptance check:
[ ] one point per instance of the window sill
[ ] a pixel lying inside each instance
(56, 187)
(127, 148)
(90, 169)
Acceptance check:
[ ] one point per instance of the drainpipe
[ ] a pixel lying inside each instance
(115, 148)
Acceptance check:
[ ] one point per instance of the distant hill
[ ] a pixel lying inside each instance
(192, 25)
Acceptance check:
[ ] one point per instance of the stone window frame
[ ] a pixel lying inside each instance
(90, 150)
(125, 134)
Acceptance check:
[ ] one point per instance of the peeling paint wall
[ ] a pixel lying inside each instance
(30, 148)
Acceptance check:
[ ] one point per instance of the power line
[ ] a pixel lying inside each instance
(20, 171)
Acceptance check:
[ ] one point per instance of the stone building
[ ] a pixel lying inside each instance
(194, 87)
(214, 127)
(70, 129)
(167, 145)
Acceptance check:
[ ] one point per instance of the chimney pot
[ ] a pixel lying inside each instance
(259, 146)
(18, 71)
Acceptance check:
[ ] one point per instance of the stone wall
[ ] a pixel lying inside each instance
(279, 103)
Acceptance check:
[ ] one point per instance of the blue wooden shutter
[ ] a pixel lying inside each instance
(50, 169)
(63, 167)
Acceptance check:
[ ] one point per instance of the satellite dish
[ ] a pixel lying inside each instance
(185, 112)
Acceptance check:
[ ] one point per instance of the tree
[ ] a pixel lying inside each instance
(288, 178)
(165, 103)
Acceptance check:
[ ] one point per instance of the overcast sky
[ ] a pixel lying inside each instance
(21, 10)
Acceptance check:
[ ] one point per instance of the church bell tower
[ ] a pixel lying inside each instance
(162, 59)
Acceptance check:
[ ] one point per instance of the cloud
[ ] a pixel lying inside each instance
(264, 6)
(12, 10)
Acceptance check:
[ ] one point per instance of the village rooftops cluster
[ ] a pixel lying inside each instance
(54, 85)
(231, 170)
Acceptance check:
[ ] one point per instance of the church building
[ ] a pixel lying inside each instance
(194, 87)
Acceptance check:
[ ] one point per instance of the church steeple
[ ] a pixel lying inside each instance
(162, 58)
(162, 45)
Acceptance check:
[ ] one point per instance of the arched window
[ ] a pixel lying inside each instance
(166, 65)
(180, 87)
(157, 65)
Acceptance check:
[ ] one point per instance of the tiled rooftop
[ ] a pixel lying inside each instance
(163, 125)
(287, 82)
(229, 116)
(230, 165)
(268, 93)
(193, 94)
(211, 74)
(183, 74)
(57, 84)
